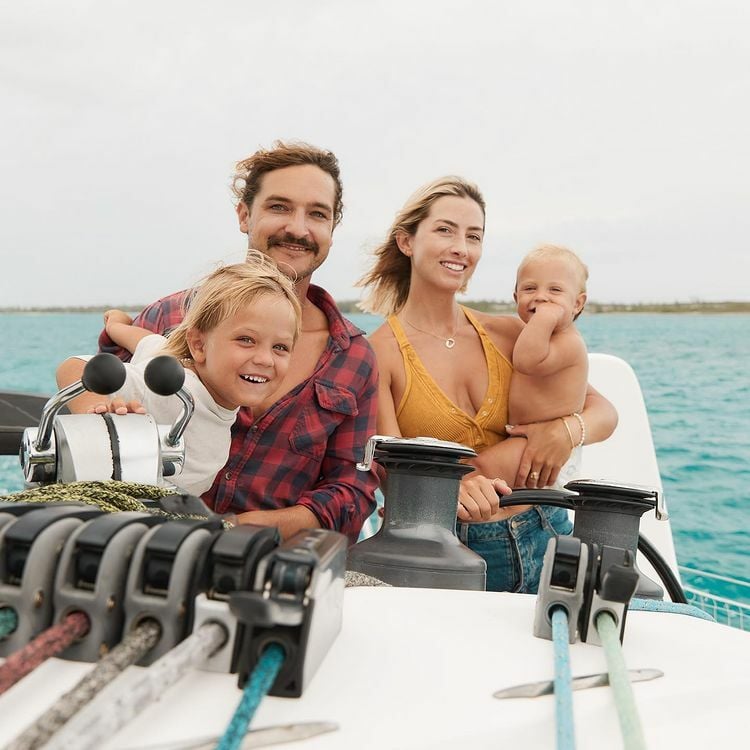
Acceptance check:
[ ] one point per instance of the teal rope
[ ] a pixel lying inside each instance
(656, 605)
(8, 621)
(563, 689)
(261, 679)
(630, 723)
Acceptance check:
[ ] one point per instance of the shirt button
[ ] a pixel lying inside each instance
(489, 400)
(254, 428)
(228, 475)
(484, 413)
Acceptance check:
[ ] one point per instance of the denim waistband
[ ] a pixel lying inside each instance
(517, 526)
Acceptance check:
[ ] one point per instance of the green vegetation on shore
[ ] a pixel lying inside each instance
(490, 306)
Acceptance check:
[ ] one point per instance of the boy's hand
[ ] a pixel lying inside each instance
(117, 406)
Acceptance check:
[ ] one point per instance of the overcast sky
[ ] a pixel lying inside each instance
(620, 129)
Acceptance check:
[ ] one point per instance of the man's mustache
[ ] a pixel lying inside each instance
(290, 239)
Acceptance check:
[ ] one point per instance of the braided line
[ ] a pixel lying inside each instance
(627, 711)
(261, 679)
(8, 621)
(134, 691)
(132, 648)
(563, 681)
(109, 496)
(48, 643)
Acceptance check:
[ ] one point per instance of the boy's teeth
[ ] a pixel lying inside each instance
(254, 378)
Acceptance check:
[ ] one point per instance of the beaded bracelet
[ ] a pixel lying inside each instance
(583, 427)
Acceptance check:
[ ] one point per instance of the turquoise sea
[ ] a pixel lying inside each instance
(694, 371)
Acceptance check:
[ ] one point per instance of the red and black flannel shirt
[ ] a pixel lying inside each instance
(303, 450)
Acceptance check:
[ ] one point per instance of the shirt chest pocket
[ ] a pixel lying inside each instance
(329, 406)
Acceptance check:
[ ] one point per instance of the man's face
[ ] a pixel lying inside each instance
(291, 218)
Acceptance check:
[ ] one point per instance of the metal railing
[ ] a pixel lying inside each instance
(726, 610)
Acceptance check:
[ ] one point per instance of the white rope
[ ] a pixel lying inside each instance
(133, 691)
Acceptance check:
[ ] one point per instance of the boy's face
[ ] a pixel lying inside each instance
(244, 359)
(550, 281)
(291, 219)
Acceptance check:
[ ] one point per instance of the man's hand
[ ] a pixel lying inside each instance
(116, 316)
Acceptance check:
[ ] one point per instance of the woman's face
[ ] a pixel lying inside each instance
(447, 245)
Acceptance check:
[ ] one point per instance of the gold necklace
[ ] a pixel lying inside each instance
(449, 342)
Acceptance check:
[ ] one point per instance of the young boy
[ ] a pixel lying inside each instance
(235, 343)
(550, 361)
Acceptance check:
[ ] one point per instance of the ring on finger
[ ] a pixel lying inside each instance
(534, 475)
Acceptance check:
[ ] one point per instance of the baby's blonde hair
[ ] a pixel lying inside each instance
(225, 291)
(545, 252)
(557, 252)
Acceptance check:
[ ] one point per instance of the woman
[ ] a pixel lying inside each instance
(445, 372)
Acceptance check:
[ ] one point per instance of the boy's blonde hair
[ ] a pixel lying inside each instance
(224, 292)
(390, 276)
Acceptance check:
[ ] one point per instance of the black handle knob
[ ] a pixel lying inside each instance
(103, 374)
(164, 375)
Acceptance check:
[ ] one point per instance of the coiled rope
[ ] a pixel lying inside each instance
(110, 496)
(563, 681)
(627, 712)
(130, 650)
(258, 685)
(8, 621)
(127, 696)
(48, 643)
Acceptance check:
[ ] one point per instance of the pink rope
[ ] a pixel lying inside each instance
(48, 643)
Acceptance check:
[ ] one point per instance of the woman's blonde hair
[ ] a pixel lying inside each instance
(390, 276)
(224, 292)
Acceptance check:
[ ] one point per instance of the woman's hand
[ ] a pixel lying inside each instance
(117, 406)
(547, 449)
(477, 497)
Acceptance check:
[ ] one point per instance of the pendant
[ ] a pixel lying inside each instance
(450, 343)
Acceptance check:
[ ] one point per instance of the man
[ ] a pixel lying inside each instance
(292, 462)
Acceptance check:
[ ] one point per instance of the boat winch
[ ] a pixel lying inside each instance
(605, 514)
(97, 447)
(417, 543)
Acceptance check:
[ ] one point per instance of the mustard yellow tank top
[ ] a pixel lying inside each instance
(425, 411)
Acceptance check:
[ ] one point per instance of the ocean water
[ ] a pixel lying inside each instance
(694, 371)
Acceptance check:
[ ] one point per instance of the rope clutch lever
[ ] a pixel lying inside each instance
(297, 603)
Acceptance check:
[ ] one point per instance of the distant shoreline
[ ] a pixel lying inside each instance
(490, 306)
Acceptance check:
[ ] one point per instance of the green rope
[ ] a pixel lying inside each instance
(110, 496)
(627, 711)
(8, 621)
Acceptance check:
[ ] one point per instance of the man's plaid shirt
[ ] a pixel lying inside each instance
(303, 450)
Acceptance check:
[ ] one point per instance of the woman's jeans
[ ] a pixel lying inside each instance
(514, 548)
